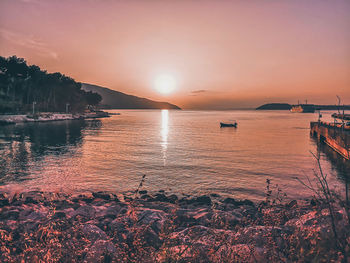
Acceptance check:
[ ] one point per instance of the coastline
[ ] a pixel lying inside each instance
(109, 227)
(46, 117)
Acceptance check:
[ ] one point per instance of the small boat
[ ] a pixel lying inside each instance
(223, 124)
(303, 108)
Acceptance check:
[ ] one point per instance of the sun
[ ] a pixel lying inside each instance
(165, 84)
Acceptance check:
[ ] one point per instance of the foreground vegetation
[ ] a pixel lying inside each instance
(104, 227)
(22, 85)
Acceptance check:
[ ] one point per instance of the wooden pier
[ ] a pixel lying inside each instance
(335, 136)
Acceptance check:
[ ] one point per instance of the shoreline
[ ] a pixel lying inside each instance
(47, 117)
(110, 227)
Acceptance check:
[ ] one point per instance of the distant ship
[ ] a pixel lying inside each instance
(303, 108)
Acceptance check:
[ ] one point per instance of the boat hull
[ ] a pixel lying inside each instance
(234, 125)
(303, 108)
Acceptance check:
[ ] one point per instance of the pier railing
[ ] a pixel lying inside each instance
(337, 125)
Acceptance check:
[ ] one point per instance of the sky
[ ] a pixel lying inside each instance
(220, 54)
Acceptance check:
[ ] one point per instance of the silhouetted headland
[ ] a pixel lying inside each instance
(275, 106)
(112, 99)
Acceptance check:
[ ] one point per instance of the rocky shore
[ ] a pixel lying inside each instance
(105, 227)
(45, 117)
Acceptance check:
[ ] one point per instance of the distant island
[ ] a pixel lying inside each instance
(112, 99)
(286, 106)
(275, 106)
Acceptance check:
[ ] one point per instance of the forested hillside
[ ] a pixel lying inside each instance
(22, 85)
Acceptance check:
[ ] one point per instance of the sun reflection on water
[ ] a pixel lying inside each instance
(164, 133)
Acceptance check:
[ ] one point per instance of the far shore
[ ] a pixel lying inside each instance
(109, 227)
(49, 116)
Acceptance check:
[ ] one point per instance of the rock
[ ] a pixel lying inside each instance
(292, 204)
(69, 212)
(112, 211)
(12, 224)
(24, 213)
(16, 235)
(62, 204)
(241, 253)
(167, 207)
(153, 218)
(104, 223)
(202, 216)
(30, 200)
(59, 215)
(120, 227)
(3, 196)
(161, 197)
(127, 198)
(86, 211)
(230, 200)
(147, 197)
(4, 202)
(102, 195)
(36, 216)
(313, 202)
(10, 215)
(205, 200)
(151, 237)
(93, 232)
(30, 226)
(257, 235)
(85, 198)
(237, 212)
(247, 211)
(75, 199)
(246, 202)
(100, 210)
(184, 218)
(199, 233)
(173, 198)
(222, 219)
(101, 251)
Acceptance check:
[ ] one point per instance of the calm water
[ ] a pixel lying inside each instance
(179, 151)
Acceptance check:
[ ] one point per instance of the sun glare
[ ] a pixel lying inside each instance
(165, 84)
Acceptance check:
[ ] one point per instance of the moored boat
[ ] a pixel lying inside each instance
(223, 124)
(303, 108)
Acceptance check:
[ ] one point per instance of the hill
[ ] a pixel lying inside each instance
(112, 99)
(275, 106)
(27, 88)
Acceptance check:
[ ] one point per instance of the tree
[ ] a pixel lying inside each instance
(92, 98)
(21, 85)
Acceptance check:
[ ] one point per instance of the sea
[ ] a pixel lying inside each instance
(179, 151)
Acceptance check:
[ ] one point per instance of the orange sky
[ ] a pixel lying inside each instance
(223, 54)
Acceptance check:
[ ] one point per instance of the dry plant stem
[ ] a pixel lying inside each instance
(324, 193)
(347, 203)
(140, 185)
(327, 195)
